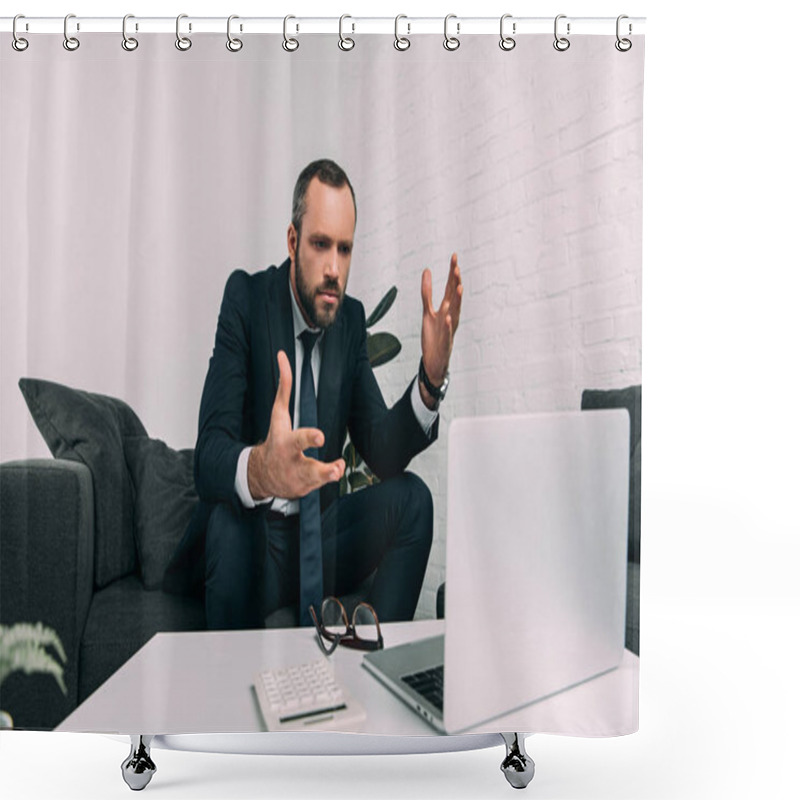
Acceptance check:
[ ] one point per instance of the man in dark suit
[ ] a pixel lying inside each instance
(276, 531)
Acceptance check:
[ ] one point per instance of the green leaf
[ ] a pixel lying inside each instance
(30, 657)
(373, 478)
(382, 307)
(25, 632)
(358, 480)
(351, 457)
(381, 348)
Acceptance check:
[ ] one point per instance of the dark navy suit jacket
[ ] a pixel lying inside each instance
(255, 322)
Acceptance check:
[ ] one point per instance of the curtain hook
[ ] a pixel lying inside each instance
(345, 42)
(70, 42)
(128, 42)
(401, 42)
(233, 44)
(507, 42)
(17, 42)
(451, 42)
(289, 43)
(623, 45)
(561, 43)
(182, 42)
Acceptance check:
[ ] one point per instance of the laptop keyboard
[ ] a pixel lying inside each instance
(429, 683)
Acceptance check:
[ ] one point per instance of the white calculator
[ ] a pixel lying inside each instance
(306, 697)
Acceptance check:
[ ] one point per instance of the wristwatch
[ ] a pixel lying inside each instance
(437, 393)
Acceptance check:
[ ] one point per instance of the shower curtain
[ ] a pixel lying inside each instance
(146, 192)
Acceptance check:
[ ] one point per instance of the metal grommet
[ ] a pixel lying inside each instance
(345, 42)
(183, 43)
(128, 42)
(623, 45)
(401, 42)
(451, 42)
(233, 44)
(289, 44)
(507, 42)
(17, 42)
(70, 42)
(561, 43)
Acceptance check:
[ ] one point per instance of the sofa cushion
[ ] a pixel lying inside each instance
(123, 617)
(164, 498)
(630, 398)
(86, 427)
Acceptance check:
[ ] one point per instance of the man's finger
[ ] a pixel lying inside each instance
(284, 383)
(318, 473)
(427, 292)
(454, 277)
(309, 437)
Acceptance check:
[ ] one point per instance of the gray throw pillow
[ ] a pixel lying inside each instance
(86, 427)
(165, 498)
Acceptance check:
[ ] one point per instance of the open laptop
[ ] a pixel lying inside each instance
(537, 529)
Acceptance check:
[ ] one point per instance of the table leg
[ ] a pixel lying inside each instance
(517, 766)
(138, 768)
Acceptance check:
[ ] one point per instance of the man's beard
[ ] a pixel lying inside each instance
(307, 294)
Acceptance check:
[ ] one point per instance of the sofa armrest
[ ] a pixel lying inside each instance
(46, 574)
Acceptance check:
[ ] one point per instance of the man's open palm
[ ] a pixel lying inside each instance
(278, 467)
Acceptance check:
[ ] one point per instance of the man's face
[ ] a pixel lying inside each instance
(321, 258)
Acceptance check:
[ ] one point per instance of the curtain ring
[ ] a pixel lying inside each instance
(183, 43)
(70, 42)
(128, 42)
(561, 43)
(401, 42)
(18, 43)
(290, 44)
(451, 42)
(507, 42)
(345, 42)
(233, 44)
(623, 45)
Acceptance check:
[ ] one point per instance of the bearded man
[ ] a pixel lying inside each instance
(289, 377)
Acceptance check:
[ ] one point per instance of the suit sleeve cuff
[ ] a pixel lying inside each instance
(242, 488)
(424, 415)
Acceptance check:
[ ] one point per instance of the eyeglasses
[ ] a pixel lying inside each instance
(364, 633)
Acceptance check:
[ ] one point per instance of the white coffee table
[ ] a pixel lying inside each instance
(202, 683)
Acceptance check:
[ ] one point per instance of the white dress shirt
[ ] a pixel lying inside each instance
(424, 416)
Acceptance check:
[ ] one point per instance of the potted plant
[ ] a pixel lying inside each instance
(24, 647)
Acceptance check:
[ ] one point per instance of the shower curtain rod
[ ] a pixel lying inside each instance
(407, 26)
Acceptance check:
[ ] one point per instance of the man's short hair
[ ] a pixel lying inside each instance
(329, 173)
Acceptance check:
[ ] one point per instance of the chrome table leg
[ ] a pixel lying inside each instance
(138, 768)
(517, 766)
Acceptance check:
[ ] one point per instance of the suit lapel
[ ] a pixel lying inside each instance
(281, 327)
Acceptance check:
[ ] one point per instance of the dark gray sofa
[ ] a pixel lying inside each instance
(47, 574)
(85, 538)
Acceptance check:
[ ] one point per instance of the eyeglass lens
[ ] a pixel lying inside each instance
(365, 624)
(333, 619)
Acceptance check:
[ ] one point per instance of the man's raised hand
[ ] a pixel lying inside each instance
(277, 467)
(439, 326)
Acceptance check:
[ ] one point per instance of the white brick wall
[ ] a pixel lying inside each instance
(536, 183)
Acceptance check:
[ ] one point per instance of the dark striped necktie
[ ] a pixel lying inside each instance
(310, 517)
